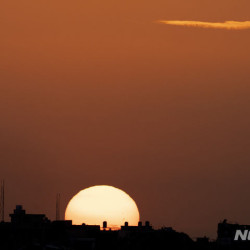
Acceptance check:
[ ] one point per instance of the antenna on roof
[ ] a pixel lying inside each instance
(2, 201)
(58, 198)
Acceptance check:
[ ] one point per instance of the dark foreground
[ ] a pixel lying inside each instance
(35, 231)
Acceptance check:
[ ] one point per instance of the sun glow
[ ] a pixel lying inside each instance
(96, 204)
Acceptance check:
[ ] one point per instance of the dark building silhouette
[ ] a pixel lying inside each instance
(226, 234)
(19, 217)
(140, 227)
(35, 231)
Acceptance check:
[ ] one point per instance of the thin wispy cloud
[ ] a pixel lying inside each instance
(229, 25)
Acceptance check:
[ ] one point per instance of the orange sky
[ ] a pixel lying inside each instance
(97, 92)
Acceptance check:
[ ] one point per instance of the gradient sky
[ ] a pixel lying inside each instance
(97, 92)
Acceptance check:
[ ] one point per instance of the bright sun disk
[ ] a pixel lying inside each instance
(96, 204)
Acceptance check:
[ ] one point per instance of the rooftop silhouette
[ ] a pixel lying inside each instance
(36, 231)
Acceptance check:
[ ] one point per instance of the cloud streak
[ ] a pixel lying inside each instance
(229, 25)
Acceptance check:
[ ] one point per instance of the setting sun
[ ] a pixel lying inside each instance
(96, 204)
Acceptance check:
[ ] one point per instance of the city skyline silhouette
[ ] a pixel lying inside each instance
(36, 231)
